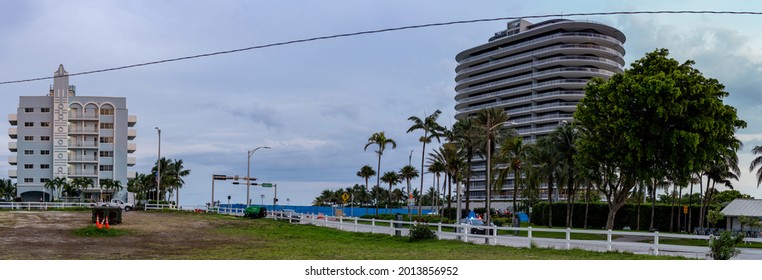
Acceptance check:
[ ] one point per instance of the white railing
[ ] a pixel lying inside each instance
(42, 205)
(643, 242)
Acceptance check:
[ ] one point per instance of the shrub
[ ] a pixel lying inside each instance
(723, 247)
(420, 232)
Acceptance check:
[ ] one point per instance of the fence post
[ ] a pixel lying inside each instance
(355, 224)
(373, 225)
(529, 235)
(391, 226)
(656, 243)
(494, 234)
(608, 239)
(568, 238)
(439, 230)
(466, 229)
(341, 222)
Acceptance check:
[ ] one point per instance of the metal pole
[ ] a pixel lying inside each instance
(212, 205)
(248, 172)
(489, 177)
(275, 196)
(158, 168)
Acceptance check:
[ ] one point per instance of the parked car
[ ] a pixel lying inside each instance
(477, 226)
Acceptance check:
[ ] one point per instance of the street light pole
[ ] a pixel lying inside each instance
(248, 172)
(158, 168)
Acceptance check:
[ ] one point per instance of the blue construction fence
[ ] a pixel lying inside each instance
(332, 211)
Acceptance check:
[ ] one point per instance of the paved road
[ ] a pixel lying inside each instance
(632, 244)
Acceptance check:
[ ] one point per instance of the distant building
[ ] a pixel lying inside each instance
(536, 73)
(68, 136)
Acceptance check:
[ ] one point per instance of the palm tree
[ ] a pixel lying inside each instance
(176, 172)
(565, 138)
(512, 152)
(757, 162)
(54, 185)
(487, 125)
(7, 189)
(408, 172)
(437, 168)
(379, 139)
(452, 158)
(431, 129)
(464, 135)
(543, 160)
(391, 178)
(366, 172)
(140, 185)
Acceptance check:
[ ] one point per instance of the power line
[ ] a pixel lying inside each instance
(374, 32)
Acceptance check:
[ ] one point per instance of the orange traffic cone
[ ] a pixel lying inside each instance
(98, 222)
(107, 227)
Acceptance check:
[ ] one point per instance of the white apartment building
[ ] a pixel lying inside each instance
(68, 136)
(537, 74)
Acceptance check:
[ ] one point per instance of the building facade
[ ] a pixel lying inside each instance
(537, 74)
(62, 135)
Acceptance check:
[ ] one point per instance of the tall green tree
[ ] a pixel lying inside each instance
(431, 130)
(488, 125)
(391, 178)
(565, 139)
(366, 172)
(513, 154)
(408, 172)
(658, 119)
(468, 140)
(7, 189)
(379, 139)
(757, 163)
(176, 173)
(437, 168)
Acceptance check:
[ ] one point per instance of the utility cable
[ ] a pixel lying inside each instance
(374, 32)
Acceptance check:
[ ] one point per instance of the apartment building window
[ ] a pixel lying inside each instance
(28, 152)
(45, 110)
(28, 166)
(44, 152)
(45, 124)
(44, 166)
(28, 180)
(107, 153)
(107, 112)
(28, 124)
(107, 125)
(107, 168)
(28, 138)
(44, 138)
(44, 180)
(107, 139)
(28, 110)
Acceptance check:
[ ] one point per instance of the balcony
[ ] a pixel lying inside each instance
(132, 174)
(131, 161)
(12, 146)
(131, 120)
(13, 119)
(83, 116)
(80, 158)
(131, 134)
(83, 130)
(12, 173)
(12, 132)
(82, 172)
(131, 147)
(12, 160)
(83, 144)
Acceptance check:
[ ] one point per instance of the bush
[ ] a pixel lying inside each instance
(723, 247)
(502, 222)
(420, 232)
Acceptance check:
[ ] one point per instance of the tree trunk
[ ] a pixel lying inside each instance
(703, 198)
(587, 203)
(640, 202)
(449, 191)
(515, 190)
(653, 204)
(423, 155)
(613, 208)
(378, 182)
(689, 222)
(672, 210)
(550, 201)
(469, 154)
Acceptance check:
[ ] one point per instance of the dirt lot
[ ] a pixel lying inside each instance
(151, 235)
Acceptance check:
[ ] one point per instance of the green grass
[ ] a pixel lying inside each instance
(93, 231)
(268, 239)
(699, 242)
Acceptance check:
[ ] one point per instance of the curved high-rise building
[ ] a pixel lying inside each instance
(537, 74)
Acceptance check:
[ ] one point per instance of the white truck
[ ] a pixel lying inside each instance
(126, 206)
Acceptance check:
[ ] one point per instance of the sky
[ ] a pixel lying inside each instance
(317, 103)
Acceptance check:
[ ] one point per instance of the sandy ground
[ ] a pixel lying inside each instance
(48, 235)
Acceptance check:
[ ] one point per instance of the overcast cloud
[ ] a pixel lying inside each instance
(317, 103)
